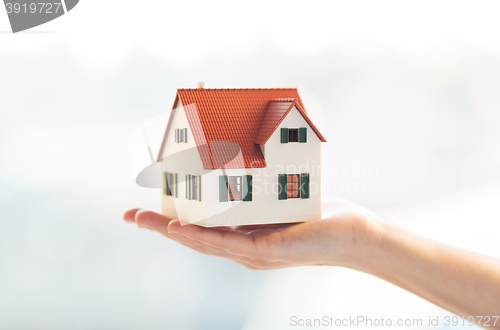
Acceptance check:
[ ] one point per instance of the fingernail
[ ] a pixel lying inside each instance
(138, 213)
(128, 218)
(144, 221)
(171, 224)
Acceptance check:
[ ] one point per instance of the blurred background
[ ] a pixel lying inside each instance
(406, 93)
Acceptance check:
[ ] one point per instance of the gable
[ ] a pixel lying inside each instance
(294, 120)
(277, 111)
(174, 145)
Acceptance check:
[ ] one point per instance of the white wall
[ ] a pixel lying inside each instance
(291, 158)
(182, 158)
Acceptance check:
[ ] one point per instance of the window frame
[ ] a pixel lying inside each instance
(193, 187)
(235, 188)
(180, 135)
(293, 135)
(293, 186)
(170, 184)
(238, 184)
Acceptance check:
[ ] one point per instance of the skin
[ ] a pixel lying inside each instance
(465, 283)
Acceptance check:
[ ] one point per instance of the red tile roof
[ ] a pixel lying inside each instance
(242, 116)
(276, 113)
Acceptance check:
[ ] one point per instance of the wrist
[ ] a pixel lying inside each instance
(392, 253)
(355, 241)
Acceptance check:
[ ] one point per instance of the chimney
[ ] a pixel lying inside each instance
(201, 85)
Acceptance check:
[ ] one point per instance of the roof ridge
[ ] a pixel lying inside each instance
(284, 99)
(232, 89)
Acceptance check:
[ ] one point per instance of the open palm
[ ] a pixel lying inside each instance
(331, 240)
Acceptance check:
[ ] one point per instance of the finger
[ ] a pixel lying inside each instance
(159, 223)
(210, 250)
(255, 264)
(227, 239)
(129, 215)
(152, 220)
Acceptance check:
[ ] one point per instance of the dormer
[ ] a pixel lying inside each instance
(276, 112)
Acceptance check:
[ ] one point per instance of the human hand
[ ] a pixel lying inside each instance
(343, 237)
(348, 235)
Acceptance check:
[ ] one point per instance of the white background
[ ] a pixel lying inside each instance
(406, 93)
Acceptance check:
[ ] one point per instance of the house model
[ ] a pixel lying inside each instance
(240, 157)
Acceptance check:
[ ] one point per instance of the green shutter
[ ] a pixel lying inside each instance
(198, 188)
(284, 135)
(190, 177)
(187, 186)
(166, 183)
(185, 135)
(304, 185)
(223, 189)
(175, 185)
(247, 188)
(303, 135)
(282, 180)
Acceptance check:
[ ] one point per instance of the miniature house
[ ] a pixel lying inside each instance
(240, 157)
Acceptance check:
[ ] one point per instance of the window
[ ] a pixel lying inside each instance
(293, 135)
(235, 188)
(193, 187)
(170, 184)
(292, 186)
(181, 135)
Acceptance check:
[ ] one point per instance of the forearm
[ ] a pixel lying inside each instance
(462, 282)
